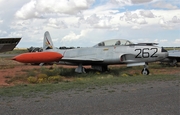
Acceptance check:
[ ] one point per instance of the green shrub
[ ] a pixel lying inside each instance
(32, 79)
(42, 78)
(51, 71)
(55, 79)
(124, 75)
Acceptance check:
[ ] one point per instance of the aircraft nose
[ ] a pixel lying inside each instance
(14, 58)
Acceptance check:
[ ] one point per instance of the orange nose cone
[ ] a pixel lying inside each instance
(38, 57)
(14, 58)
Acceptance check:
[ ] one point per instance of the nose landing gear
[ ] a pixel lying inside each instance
(145, 71)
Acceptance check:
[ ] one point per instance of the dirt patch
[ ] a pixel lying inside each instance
(9, 72)
(9, 69)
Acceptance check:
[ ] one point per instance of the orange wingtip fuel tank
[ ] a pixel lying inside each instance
(38, 57)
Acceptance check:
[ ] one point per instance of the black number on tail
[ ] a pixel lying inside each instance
(156, 50)
(138, 55)
(145, 53)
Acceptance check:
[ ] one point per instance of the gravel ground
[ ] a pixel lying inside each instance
(153, 98)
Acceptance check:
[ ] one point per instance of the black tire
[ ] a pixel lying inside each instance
(145, 71)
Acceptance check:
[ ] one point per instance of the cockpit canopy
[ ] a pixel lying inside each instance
(113, 42)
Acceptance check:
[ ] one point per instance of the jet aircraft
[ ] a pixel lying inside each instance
(109, 52)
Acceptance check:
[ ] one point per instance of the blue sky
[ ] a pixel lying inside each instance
(86, 22)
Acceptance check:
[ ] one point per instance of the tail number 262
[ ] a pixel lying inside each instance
(144, 53)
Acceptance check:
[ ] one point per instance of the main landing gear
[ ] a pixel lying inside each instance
(174, 62)
(80, 69)
(145, 70)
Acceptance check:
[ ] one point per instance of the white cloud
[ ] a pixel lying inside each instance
(79, 21)
(121, 2)
(63, 6)
(177, 40)
(93, 19)
(103, 24)
(55, 23)
(144, 18)
(99, 21)
(169, 24)
(136, 27)
(141, 21)
(1, 21)
(2, 33)
(130, 2)
(147, 13)
(28, 11)
(20, 24)
(73, 36)
(175, 19)
(1, 1)
(141, 1)
(15, 34)
(135, 18)
(164, 5)
(165, 24)
(38, 8)
(162, 41)
(129, 16)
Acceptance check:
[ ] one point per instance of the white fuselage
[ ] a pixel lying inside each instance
(112, 54)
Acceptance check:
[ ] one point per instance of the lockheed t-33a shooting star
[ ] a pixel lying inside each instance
(110, 52)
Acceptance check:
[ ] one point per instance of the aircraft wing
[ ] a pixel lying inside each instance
(174, 53)
(173, 57)
(8, 44)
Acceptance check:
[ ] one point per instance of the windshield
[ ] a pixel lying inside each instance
(114, 42)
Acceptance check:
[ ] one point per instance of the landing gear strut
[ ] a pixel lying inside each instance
(145, 71)
(80, 69)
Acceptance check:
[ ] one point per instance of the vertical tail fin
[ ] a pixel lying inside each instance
(47, 44)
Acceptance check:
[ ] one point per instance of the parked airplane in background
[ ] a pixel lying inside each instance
(116, 51)
(173, 57)
(8, 44)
